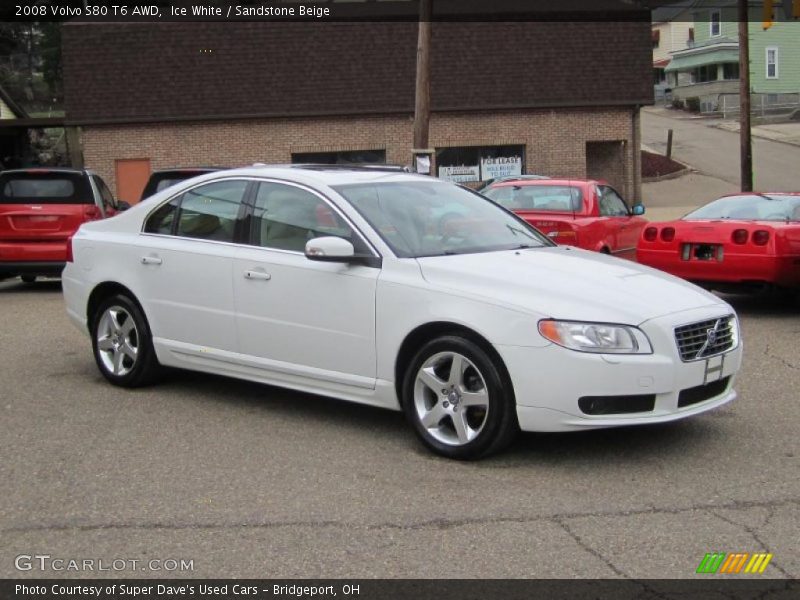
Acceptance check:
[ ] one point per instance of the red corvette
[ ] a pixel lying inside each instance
(748, 240)
(585, 213)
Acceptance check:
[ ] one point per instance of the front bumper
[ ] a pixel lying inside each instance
(549, 382)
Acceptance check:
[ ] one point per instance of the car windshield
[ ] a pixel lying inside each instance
(436, 218)
(556, 198)
(750, 207)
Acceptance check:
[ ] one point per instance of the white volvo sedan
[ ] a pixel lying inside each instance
(399, 291)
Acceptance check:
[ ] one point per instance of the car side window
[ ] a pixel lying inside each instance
(162, 220)
(105, 193)
(286, 217)
(611, 204)
(210, 211)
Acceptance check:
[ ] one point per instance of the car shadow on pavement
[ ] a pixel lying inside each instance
(631, 445)
(385, 428)
(300, 405)
(764, 304)
(40, 286)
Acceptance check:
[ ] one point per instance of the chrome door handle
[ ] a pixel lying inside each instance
(257, 275)
(151, 260)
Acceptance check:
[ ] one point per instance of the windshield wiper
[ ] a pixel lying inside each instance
(517, 230)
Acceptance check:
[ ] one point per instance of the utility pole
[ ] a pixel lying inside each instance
(744, 99)
(422, 100)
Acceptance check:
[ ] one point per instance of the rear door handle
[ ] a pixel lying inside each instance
(261, 275)
(151, 260)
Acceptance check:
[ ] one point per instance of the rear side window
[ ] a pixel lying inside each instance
(105, 193)
(208, 212)
(44, 188)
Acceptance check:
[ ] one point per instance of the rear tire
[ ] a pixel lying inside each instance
(464, 414)
(122, 343)
(28, 278)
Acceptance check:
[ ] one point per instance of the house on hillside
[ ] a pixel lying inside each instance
(706, 74)
(672, 31)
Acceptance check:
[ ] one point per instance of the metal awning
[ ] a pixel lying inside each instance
(701, 59)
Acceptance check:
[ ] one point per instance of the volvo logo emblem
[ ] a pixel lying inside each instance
(711, 338)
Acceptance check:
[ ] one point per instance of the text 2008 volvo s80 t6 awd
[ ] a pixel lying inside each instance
(351, 283)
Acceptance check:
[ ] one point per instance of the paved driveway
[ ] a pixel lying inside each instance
(248, 480)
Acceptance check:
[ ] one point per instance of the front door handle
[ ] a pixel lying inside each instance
(151, 260)
(261, 275)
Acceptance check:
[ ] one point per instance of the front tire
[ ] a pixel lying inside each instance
(458, 400)
(122, 343)
(28, 278)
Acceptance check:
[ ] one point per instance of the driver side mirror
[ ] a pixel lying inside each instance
(330, 249)
(638, 210)
(335, 249)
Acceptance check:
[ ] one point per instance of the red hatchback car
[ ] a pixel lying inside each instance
(40, 209)
(740, 241)
(585, 213)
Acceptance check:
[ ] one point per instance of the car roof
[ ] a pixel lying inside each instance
(326, 175)
(30, 170)
(759, 194)
(188, 170)
(551, 181)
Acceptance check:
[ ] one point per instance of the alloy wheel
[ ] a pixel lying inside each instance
(451, 398)
(117, 340)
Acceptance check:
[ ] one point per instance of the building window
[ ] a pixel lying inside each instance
(659, 76)
(479, 163)
(656, 38)
(772, 62)
(715, 23)
(730, 71)
(704, 74)
(340, 158)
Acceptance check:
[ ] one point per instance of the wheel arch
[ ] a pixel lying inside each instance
(105, 290)
(429, 331)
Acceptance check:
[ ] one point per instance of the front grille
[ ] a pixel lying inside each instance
(701, 393)
(697, 340)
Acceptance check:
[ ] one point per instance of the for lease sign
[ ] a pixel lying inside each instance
(501, 166)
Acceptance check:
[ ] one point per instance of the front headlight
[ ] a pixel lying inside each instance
(600, 338)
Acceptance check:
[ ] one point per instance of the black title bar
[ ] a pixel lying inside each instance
(701, 587)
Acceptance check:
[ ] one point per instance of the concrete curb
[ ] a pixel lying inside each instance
(685, 171)
(756, 134)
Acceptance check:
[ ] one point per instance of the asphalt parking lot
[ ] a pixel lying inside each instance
(252, 481)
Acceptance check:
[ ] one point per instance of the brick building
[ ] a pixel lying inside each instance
(557, 98)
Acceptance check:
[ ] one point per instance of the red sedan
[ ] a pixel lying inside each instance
(585, 213)
(747, 240)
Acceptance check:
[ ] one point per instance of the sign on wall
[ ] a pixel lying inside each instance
(501, 166)
(460, 174)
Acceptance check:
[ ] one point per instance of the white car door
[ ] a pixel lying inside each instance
(186, 265)
(296, 316)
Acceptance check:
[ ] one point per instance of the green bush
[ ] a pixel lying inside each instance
(693, 104)
(677, 103)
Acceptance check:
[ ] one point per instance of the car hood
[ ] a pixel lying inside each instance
(567, 283)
